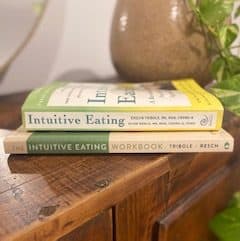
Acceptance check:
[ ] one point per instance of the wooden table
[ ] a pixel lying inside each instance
(113, 197)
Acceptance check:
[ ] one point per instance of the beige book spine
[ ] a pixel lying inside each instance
(16, 142)
(118, 142)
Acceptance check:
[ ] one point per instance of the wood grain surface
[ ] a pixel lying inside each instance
(189, 220)
(98, 229)
(137, 214)
(47, 197)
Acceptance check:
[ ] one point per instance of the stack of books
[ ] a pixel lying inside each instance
(158, 117)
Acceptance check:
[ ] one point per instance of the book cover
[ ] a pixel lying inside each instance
(163, 106)
(22, 142)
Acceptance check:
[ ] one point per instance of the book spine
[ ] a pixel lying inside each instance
(114, 142)
(144, 144)
(122, 121)
(16, 143)
(57, 143)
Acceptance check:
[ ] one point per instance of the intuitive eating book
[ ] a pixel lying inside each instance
(23, 142)
(158, 106)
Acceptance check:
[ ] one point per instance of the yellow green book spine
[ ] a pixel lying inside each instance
(157, 106)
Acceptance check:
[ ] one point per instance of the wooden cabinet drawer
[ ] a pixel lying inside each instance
(136, 216)
(97, 229)
(189, 220)
(188, 171)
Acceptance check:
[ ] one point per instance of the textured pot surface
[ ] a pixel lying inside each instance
(156, 40)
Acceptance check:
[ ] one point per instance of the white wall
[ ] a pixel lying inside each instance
(72, 43)
(73, 37)
(85, 43)
(33, 65)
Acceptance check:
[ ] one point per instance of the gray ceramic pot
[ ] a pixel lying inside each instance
(158, 39)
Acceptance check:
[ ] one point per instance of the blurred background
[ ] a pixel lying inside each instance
(64, 39)
(42, 41)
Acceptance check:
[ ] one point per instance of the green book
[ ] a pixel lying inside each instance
(23, 142)
(157, 106)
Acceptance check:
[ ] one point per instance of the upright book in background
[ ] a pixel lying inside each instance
(164, 105)
(22, 142)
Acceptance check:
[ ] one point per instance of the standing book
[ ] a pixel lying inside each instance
(22, 142)
(157, 106)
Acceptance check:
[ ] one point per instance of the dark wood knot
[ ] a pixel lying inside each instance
(102, 183)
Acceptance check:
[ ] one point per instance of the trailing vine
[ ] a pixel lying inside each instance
(214, 18)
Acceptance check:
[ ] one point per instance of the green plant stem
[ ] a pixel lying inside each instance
(213, 18)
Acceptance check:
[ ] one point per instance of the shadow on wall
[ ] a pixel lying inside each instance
(31, 67)
(84, 75)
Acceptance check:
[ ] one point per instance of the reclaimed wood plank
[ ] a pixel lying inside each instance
(97, 229)
(190, 219)
(137, 214)
(75, 191)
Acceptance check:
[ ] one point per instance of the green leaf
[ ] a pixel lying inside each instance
(192, 3)
(215, 12)
(237, 12)
(233, 64)
(226, 225)
(230, 99)
(229, 66)
(228, 91)
(228, 34)
(218, 69)
(232, 83)
(235, 202)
